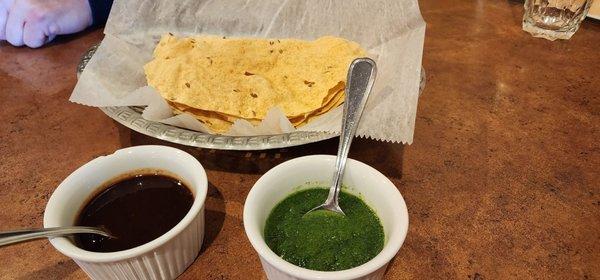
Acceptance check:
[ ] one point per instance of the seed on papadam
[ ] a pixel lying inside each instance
(309, 84)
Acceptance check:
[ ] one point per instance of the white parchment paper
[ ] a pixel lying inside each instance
(392, 31)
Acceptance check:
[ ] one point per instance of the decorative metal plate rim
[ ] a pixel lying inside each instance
(131, 117)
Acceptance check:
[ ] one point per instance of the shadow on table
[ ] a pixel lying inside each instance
(60, 270)
(214, 216)
(383, 156)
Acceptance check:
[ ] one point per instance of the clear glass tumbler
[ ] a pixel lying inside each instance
(554, 19)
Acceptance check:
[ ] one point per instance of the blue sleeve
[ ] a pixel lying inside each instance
(100, 10)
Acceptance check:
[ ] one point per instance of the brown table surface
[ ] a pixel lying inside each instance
(501, 181)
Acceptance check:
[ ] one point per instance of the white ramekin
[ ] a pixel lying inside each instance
(163, 258)
(310, 171)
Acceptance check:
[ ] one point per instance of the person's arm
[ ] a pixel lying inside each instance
(36, 22)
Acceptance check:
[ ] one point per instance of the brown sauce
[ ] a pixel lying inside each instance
(136, 210)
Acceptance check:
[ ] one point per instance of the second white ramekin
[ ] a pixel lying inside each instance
(310, 171)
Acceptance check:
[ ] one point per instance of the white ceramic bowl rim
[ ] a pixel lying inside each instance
(390, 249)
(66, 247)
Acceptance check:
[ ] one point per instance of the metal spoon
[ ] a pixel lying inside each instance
(17, 236)
(361, 76)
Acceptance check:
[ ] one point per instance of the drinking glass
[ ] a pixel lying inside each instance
(554, 19)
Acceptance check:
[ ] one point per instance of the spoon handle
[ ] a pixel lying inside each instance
(17, 236)
(361, 77)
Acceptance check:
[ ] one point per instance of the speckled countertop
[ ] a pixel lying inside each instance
(502, 180)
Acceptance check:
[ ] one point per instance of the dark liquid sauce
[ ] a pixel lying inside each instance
(136, 210)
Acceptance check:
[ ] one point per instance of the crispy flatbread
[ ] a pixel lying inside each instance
(221, 79)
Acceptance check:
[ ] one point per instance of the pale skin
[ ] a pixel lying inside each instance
(34, 23)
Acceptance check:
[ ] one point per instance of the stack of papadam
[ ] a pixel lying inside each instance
(219, 80)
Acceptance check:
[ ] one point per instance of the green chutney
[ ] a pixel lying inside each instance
(324, 240)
